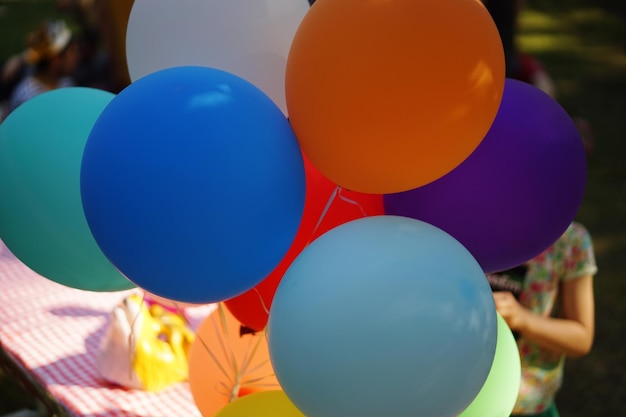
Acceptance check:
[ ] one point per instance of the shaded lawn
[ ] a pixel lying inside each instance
(19, 17)
(582, 45)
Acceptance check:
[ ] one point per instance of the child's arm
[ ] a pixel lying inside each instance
(571, 334)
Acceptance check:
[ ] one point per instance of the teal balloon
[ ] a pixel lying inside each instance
(383, 316)
(41, 215)
(498, 395)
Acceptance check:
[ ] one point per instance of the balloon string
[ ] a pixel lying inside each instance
(237, 380)
(248, 366)
(132, 337)
(204, 344)
(263, 305)
(348, 200)
(337, 192)
(230, 358)
(330, 201)
(334, 194)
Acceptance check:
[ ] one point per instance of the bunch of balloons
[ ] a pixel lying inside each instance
(340, 176)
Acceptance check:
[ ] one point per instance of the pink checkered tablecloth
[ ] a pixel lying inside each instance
(54, 331)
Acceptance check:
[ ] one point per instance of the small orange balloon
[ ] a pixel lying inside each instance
(227, 362)
(388, 95)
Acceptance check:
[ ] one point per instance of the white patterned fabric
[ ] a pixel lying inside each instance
(54, 331)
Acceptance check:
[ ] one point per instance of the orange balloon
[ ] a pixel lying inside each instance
(388, 95)
(251, 308)
(226, 363)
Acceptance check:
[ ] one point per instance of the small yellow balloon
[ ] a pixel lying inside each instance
(261, 404)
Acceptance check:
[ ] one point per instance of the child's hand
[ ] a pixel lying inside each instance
(511, 311)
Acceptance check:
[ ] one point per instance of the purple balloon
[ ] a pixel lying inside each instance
(517, 192)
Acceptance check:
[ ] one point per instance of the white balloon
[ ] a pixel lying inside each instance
(248, 38)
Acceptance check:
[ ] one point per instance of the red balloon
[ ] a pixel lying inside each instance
(325, 204)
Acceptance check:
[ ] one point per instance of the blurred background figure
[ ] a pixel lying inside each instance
(93, 55)
(102, 42)
(47, 63)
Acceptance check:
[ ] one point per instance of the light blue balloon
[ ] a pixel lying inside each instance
(383, 316)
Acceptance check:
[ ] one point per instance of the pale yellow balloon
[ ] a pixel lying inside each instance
(261, 404)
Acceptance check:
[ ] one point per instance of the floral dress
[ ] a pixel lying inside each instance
(569, 258)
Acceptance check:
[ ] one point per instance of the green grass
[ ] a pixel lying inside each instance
(19, 17)
(582, 44)
(12, 396)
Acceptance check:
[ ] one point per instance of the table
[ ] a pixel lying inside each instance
(49, 336)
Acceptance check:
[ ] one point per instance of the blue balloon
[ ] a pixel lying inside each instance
(383, 316)
(193, 184)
